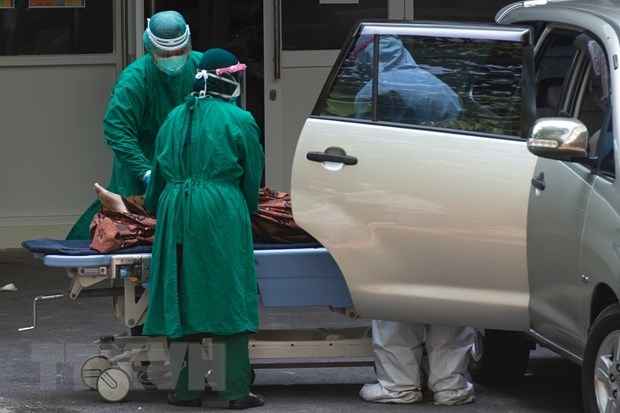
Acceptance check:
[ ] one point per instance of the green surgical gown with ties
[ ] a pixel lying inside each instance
(203, 189)
(140, 101)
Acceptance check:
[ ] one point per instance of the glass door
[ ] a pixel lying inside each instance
(302, 39)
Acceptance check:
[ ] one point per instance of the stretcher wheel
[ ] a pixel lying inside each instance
(92, 369)
(113, 384)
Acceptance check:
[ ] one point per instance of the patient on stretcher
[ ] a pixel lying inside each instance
(124, 221)
(110, 200)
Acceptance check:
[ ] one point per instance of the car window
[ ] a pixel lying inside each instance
(586, 96)
(607, 166)
(453, 83)
(557, 56)
(593, 106)
(573, 80)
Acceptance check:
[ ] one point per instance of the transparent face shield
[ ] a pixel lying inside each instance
(168, 45)
(224, 75)
(169, 55)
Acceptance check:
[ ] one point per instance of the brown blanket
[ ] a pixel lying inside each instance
(272, 223)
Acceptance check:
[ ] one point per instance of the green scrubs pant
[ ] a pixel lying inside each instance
(230, 353)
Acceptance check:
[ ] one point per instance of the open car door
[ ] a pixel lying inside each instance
(424, 214)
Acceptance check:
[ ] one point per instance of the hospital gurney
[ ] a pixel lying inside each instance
(288, 275)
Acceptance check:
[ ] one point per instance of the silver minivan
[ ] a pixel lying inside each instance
(504, 215)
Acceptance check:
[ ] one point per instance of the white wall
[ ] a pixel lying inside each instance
(52, 146)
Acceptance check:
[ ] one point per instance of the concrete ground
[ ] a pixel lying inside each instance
(41, 369)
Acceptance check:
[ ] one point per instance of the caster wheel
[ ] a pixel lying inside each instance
(92, 369)
(113, 384)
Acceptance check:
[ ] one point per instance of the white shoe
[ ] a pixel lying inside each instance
(453, 397)
(376, 393)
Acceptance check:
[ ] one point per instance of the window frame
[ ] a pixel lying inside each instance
(574, 88)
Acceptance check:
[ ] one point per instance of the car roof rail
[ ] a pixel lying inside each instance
(527, 3)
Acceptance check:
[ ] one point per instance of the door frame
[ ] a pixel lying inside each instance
(277, 160)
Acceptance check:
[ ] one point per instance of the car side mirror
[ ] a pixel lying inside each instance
(563, 139)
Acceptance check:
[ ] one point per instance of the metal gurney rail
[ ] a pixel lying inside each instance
(288, 275)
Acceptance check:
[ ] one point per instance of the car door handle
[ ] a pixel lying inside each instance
(328, 157)
(538, 183)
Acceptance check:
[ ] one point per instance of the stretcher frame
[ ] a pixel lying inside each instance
(124, 276)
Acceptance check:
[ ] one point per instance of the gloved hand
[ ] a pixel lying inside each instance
(147, 177)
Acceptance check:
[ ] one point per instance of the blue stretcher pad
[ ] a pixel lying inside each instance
(288, 275)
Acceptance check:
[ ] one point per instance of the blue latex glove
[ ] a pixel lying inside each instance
(147, 177)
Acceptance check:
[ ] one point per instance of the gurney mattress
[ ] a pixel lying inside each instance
(290, 275)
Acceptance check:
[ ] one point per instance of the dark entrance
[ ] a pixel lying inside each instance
(234, 25)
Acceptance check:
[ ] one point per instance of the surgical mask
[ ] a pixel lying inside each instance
(171, 65)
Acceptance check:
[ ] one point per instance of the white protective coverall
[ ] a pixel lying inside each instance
(398, 348)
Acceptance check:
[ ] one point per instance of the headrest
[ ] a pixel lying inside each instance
(554, 94)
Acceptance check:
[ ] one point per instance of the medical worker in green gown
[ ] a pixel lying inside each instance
(146, 91)
(204, 186)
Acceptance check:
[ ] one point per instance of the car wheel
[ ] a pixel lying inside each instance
(498, 356)
(600, 372)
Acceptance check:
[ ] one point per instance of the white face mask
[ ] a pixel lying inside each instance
(171, 65)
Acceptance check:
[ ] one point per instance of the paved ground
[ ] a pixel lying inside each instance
(41, 367)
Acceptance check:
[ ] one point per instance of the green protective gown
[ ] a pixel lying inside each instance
(203, 189)
(140, 101)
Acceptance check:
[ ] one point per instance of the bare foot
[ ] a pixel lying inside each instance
(110, 200)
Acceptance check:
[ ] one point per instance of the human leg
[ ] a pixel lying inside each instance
(189, 377)
(398, 349)
(233, 350)
(109, 199)
(448, 354)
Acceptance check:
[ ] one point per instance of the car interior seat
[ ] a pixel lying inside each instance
(591, 113)
(549, 95)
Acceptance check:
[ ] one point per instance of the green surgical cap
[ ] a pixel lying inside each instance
(216, 59)
(166, 31)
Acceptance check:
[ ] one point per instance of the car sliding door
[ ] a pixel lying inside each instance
(425, 217)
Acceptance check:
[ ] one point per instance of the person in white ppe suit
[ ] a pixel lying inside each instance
(408, 93)
(398, 348)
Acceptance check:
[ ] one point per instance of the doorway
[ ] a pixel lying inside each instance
(234, 25)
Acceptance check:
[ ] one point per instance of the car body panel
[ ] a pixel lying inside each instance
(570, 241)
(601, 17)
(406, 224)
(600, 254)
(553, 250)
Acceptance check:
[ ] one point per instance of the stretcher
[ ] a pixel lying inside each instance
(288, 275)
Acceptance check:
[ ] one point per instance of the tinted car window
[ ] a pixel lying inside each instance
(483, 77)
(586, 93)
(557, 57)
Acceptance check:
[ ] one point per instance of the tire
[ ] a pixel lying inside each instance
(600, 373)
(113, 384)
(499, 356)
(92, 369)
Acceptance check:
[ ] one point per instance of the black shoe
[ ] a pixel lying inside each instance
(172, 399)
(251, 400)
